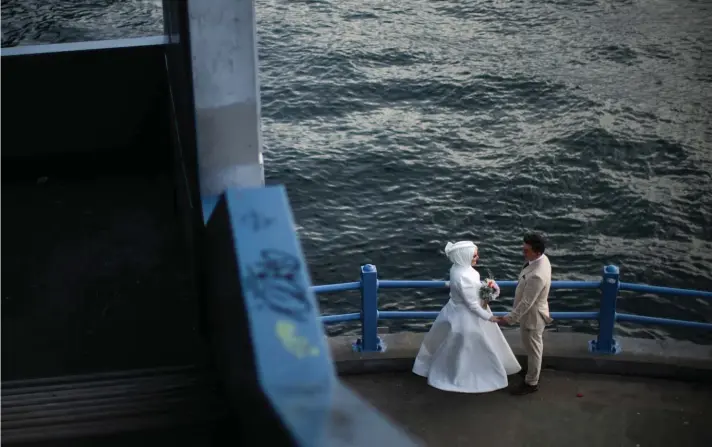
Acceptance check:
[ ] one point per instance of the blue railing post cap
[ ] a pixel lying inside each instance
(368, 268)
(611, 270)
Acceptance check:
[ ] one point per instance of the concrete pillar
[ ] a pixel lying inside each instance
(223, 47)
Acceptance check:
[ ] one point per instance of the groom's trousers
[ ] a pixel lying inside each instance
(533, 344)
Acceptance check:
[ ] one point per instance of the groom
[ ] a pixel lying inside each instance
(531, 308)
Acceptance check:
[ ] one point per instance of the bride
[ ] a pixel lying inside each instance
(465, 350)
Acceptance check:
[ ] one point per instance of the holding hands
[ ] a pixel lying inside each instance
(500, 320)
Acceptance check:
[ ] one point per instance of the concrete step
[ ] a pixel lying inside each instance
(104, 404)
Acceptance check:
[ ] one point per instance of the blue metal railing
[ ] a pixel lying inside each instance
(606, 315)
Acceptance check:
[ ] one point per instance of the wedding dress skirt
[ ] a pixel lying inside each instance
(465, 353)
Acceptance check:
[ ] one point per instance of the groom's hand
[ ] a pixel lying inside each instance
(504, 320)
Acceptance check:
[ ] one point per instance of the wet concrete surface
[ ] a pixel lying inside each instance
(569, 410)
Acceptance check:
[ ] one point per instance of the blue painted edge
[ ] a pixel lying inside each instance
(505, 284)
(209, 203)
(291, 353)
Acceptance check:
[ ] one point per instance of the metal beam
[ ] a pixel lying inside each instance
(226, 92)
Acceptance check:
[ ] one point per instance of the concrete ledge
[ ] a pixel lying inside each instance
(563, 351)
(27, 50)
(54, 410)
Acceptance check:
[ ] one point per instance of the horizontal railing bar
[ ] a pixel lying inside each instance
(609, 287)
(331, 319)
(405, 284)
(431, 315)
(556, 285)
(409, 284)
(339, 287)
(662, 321)
(644, 288)
(26, 50)
(571, 315)
(574, 285)
(407, 315)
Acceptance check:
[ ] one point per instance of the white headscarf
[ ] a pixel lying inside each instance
(461, 253)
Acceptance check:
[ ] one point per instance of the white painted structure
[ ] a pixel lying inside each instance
(223, 46)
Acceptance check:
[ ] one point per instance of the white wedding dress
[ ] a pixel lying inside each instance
(464, 351)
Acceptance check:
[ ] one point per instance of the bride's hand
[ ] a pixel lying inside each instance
(494, 319)
(495, 286)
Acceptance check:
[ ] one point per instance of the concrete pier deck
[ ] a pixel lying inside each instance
(654, 393)
(611, 411)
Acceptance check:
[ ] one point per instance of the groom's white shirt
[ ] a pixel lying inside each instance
(537, 259)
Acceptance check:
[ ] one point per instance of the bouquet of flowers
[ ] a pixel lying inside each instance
(489, 290)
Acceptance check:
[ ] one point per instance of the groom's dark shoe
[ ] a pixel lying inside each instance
(525, 388)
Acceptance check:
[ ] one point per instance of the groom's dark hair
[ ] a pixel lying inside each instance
(536, 241)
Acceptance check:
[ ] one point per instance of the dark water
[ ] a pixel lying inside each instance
(398, 126)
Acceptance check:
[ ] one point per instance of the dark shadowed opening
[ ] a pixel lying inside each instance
(96, 266)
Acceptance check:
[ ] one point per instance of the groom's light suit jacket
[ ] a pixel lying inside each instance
(531, 304)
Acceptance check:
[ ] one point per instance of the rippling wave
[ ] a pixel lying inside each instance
(398, 126)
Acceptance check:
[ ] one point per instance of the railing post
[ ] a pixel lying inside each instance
(369, 341)
(605, 343)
